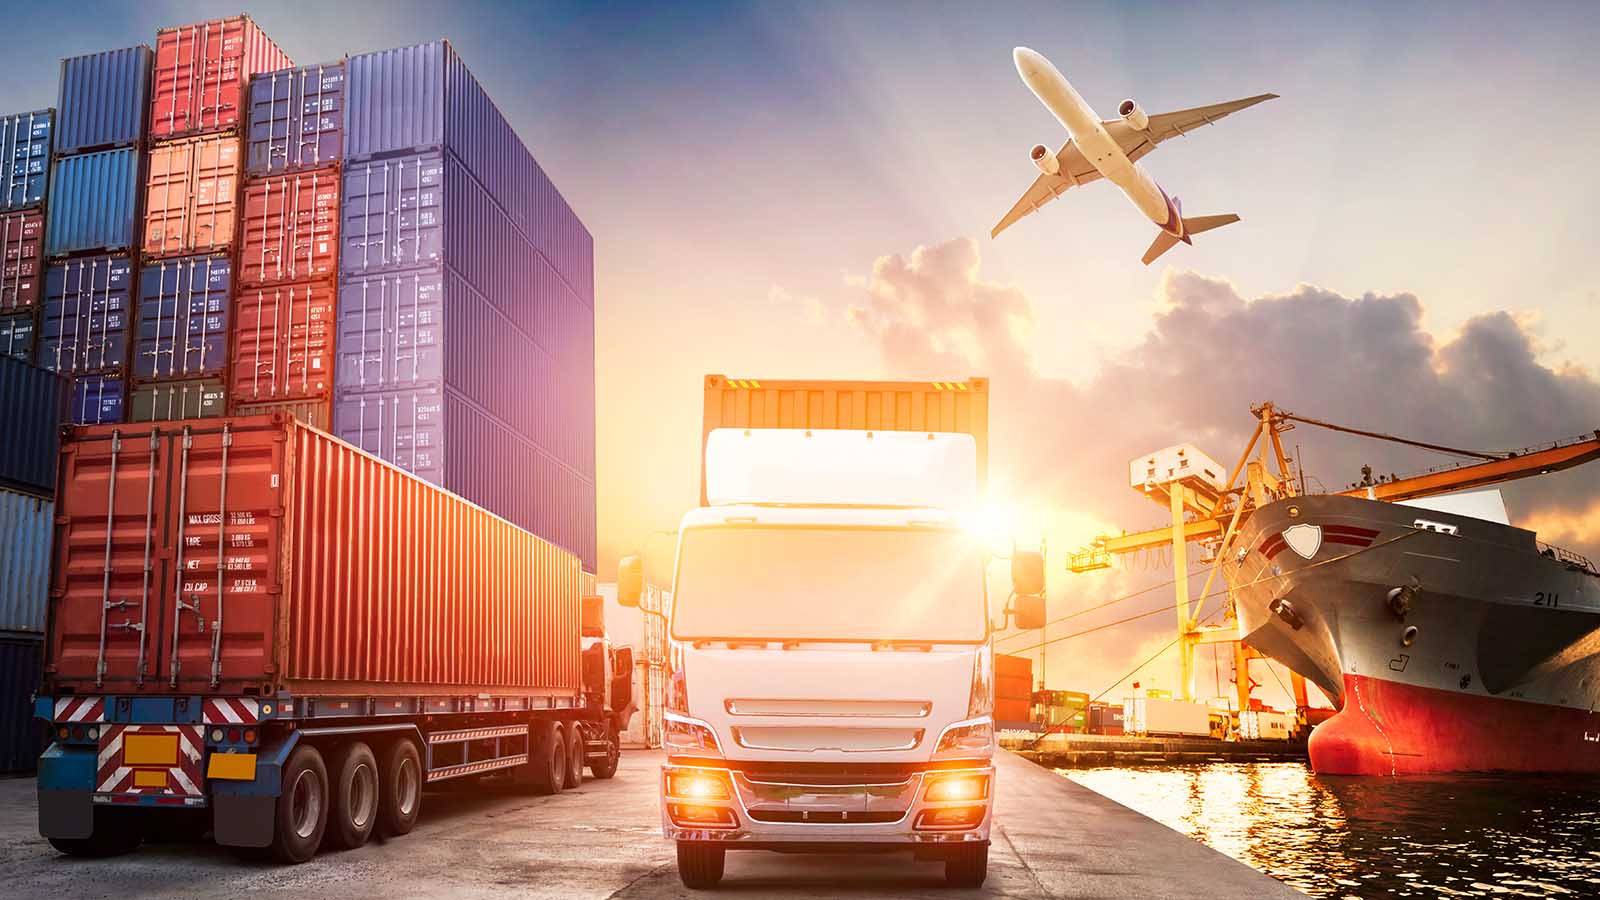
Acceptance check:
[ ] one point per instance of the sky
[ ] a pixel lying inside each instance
(805, 191)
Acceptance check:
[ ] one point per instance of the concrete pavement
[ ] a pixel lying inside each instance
(1053, 838)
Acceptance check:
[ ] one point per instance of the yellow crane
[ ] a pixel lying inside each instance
(1209, 510)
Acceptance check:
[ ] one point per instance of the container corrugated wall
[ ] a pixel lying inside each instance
(33, 404)
(94, 203)
(192, 196)
(87, 310)
(22, 737)
(103, 101)
(25, 158)
(21, 259)
(422, 592)
(202, 72)
(290, 228)
(296, 119)
(182, 329)
(27, 527)
(18, 336)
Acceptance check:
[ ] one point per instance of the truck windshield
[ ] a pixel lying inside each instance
(799, 583)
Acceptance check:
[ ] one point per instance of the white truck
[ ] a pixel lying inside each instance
(831, 625)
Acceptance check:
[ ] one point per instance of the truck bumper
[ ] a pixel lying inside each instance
(931, 808)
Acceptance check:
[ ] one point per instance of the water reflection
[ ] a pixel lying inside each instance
(1457, 836)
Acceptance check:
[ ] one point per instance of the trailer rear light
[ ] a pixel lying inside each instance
(683, 736)
(63, 732)
(249, 735)
(950, 817)
(697, 784)
(216, 735)
(233, 735)
(701, 816)
(77, 732)
(957, 786)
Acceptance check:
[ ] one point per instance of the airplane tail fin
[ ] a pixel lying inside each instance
(1192, 225)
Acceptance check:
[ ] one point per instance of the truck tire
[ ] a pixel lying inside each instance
(607, 767)
(967, 865)
(116, 831)
(354, 810)
(301, 814)
(546, 769)
(574, 776)
(700, 864)
(400, 782)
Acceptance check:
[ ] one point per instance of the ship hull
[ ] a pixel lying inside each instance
(1451, 644)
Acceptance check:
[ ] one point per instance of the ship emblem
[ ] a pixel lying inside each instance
(1303, 539)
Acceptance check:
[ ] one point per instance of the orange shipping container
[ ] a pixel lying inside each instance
(202, 72)
(291, 228)
(192, 196)
(283, 342)
(959, 406)
(315, 569)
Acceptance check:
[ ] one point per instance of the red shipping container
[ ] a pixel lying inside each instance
(202, 74)
(316, 413)
(283, 342)
(21, 249)
(291, 227)
(192, 196)
(318, 569)
(1012, 711)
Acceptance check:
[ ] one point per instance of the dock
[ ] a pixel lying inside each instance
(1053, 838)
(1076, 751)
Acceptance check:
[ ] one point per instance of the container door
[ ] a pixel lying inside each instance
(215, 193)
(167, 198)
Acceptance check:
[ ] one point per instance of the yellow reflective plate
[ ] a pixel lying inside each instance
(150, 750)
(150, 778)
(232, 766)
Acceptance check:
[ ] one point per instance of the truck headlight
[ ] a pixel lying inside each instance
(683, 736)
(969, 739)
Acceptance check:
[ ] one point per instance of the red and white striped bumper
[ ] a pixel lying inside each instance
(161, 764)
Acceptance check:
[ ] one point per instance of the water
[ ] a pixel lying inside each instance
(1454, 836)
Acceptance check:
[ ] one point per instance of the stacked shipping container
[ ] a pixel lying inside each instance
(24, 181)
(466, 300)
(92, 227)
(193, 192)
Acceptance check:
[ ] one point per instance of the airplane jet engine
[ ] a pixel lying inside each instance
(1044, 159)
(1129, 109)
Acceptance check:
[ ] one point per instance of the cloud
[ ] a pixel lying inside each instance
(810, 307)
(1208, 356)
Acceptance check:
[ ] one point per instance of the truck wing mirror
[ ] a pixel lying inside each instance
(1027, 613)
(592, 618)
(630, 581)
(1027, 573)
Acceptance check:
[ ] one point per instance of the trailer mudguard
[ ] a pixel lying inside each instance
(242, 811)
(66, 791)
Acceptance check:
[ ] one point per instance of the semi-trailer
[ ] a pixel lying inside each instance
(255, 620)
(833, 684)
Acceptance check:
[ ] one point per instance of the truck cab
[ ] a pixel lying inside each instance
(833, 686)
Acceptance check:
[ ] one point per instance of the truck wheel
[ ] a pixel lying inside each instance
(546, 768)
(967, 865)
(116, 832)
(574, 776)
(400, 779)
(355, 796)
(606, 768)
(700, 864)
(301, 816)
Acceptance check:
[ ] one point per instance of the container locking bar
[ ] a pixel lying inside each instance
(105, 579)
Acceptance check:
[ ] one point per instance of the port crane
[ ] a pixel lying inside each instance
(1208, 510)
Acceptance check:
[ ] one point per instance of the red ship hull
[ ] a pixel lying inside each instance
(1390, 728)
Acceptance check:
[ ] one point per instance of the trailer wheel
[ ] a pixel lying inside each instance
(302, 809)
(700, 864)
(967, 865)
(400, 777)
(116, 832)
(354, 810)
(606, 768)
(546, 769)
(574, 774)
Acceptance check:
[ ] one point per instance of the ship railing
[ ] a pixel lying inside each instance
(1574, 560)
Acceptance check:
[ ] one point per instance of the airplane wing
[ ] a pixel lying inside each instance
(1074, 170)
(1137, 143)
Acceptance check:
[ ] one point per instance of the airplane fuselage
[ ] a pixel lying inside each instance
(1095, 143)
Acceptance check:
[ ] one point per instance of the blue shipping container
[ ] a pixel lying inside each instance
(103, 101)
(84, 327)
(22, 737)
(33, 404)
(296, 119)
(181, 329)
(27, 528)
(98, 399)
(17, 336)
(408, 99)
(24, 158)
(94, 206)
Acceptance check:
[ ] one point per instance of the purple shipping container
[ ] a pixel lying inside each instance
(296, 119)
(17, 336)
(33, 404)
(182, 325)
(97, 399)
(84, 327)
(103, 101)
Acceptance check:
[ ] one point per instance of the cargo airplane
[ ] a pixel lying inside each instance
(1112, 149)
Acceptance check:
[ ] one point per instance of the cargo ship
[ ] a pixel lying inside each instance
(1450, 640)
